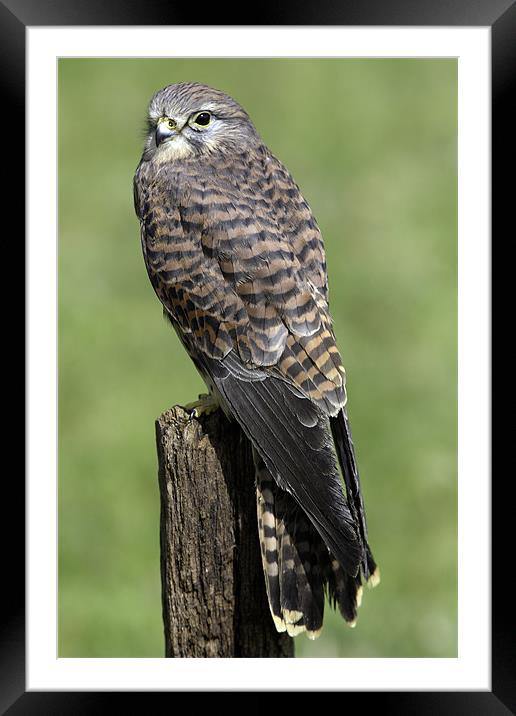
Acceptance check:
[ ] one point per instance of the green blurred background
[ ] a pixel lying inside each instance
(373, 146)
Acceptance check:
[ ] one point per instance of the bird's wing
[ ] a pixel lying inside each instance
(268, 247)
(227, 264)
(293, 437)
(187, 280)
(346, 454)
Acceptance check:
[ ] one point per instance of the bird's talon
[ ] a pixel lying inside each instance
(204, 406)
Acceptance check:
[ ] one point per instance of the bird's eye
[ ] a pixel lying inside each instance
(171, 124)
(202, 119)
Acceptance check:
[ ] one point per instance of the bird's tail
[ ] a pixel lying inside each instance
(297, 565)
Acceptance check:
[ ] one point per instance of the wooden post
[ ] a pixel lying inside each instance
(213, 590)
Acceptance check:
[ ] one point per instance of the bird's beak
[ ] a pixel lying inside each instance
(163, 131)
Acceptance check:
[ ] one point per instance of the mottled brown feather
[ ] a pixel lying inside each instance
(236, 256)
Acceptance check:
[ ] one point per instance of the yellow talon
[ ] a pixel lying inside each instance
(204, 406)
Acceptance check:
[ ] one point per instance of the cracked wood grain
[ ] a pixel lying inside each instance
(213, 590)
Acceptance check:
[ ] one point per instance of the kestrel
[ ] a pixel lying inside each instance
(237, 260)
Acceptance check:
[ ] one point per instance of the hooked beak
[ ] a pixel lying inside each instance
(163, 131)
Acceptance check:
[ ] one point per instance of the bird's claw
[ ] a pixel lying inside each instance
(204, 406)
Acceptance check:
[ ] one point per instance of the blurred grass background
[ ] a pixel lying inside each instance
(372, 144)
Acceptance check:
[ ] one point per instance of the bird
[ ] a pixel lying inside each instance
(237, 260)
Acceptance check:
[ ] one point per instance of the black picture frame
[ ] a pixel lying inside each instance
(15, 17)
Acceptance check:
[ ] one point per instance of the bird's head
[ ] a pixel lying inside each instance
(191, 119)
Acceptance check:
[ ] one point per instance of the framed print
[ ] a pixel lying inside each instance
(398, 107)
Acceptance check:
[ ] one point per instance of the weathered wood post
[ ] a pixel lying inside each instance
(213, 591)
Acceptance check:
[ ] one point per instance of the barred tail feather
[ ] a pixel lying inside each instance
(301, 585)
(268, 539)
(344, 591)
(298, 567)
(289, 545)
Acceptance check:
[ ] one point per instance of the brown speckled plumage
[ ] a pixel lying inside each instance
(237, 260)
